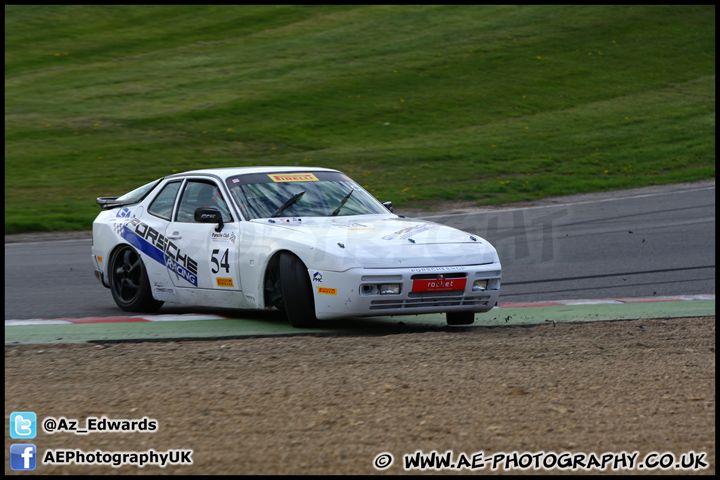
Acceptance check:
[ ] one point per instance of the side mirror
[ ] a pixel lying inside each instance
(209, 215)
(388, 205)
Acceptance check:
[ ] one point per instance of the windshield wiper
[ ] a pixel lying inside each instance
(288, 203)
(342, 203)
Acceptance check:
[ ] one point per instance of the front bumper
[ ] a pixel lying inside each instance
(341, 294)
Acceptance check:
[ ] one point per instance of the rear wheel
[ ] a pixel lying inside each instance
(297, 292)
(129, 282)
(460, 318)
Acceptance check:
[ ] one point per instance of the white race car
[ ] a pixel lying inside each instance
(309, 241)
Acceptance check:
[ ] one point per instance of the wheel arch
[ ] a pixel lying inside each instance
(270, 282)
(108, 264)
(140, 254)
(143, 300)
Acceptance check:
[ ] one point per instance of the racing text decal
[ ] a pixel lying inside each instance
(156, 246)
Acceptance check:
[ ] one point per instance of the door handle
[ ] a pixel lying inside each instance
(175, 236)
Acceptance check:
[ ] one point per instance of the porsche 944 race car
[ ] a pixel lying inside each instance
(309, 241)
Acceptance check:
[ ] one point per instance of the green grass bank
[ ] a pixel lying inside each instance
(419, 104)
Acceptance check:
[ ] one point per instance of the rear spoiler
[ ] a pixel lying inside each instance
(108, 203)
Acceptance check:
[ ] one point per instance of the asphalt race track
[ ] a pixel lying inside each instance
(656, 241)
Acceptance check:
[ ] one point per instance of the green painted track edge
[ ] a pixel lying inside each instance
(276, 326)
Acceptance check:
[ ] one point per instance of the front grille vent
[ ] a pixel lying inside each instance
(431, 299)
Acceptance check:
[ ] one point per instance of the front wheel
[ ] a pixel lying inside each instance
(129, 282)
(297, 292)
(460, 318)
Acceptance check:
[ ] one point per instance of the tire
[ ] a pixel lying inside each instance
(297, 292)
(460, 318)
(129, 282)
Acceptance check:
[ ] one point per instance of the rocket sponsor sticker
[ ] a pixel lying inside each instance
(439, 284)
(293, 177)
(327, 291)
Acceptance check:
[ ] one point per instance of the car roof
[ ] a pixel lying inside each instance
(224, 173)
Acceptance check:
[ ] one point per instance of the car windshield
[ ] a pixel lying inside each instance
(263, 195)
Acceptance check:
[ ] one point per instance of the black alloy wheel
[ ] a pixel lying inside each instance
(129, 282)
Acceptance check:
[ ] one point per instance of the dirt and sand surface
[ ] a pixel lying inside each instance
(331, 404)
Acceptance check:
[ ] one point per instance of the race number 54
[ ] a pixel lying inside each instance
(222, 263)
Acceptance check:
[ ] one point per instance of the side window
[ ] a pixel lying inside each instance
(163, 203)
(201, 195)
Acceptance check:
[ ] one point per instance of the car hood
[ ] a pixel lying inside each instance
(391, 242)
